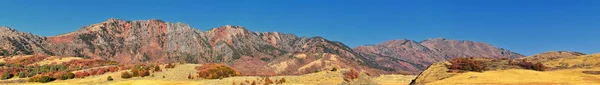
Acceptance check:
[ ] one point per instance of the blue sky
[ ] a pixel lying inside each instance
(523, 26)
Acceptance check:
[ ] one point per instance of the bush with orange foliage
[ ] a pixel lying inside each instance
(281, 81)
(169, 65)
(533, 66)
(268, 81)
(466, 64)
(352, 74)
(216, 71)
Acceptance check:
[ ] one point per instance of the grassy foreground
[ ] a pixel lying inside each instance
(178, 76)
(523, 77)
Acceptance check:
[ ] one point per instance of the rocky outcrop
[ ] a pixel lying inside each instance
(13, 42)
(413, 57)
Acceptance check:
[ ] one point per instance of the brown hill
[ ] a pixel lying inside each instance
(547, 56)
(414, 57)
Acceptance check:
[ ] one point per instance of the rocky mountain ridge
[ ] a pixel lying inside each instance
(259, 53)
(414, 57)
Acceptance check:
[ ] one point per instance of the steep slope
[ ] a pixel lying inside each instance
(266, 53)
(13, 42)
(413, 57)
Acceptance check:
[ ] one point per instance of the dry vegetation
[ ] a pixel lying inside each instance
(523, 77)
(580, 70)
(75, 71)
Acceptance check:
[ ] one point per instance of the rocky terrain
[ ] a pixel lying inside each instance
(258, 53)
(413, 57)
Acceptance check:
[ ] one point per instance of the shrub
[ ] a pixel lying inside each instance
(144, 73)
(22, 75)
(109, 78)
(281, 81)
(134, 72)
(334, 69)
(466, 64)
(216, 71)
(6, 75)
(529, 65)
(352, 74)
(169, 65)
(70, 75)
(125, 75)
(63, 77)
(157, 68)
(268, 81)
(46, 79)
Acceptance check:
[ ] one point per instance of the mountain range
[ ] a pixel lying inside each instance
(253, 53)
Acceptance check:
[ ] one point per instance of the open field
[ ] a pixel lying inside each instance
(523, 77)
(178, 76)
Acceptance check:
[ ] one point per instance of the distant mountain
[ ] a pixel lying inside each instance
(414, 57)
(266, 53)
(257, 53)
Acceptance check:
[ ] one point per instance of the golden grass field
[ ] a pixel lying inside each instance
(523, 77)
(178, 76)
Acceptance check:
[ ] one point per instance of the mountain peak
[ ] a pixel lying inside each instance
(5, 29)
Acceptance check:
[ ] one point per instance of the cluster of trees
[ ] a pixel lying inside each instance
(141, 71)
(529, 65)
(216, 71)
(483, 64)
(51, 76)
(466, 64)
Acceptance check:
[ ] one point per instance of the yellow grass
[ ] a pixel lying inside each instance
(592, 60)
(394, 79)
(178, 76)
(523, 77)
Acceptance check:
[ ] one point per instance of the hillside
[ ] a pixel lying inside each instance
(266, 53)
(560, 68)
(414, 57)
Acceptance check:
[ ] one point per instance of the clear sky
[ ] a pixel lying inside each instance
(523, 26)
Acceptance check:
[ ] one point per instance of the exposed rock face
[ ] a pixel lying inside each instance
(13, 42)
(413, 57)
(267, 53)
(254, 53)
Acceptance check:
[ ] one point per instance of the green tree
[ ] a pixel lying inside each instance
(23, 74)
(70, 75)
(109, 78)
(125, 75)
(6, 75)
(46, 79)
